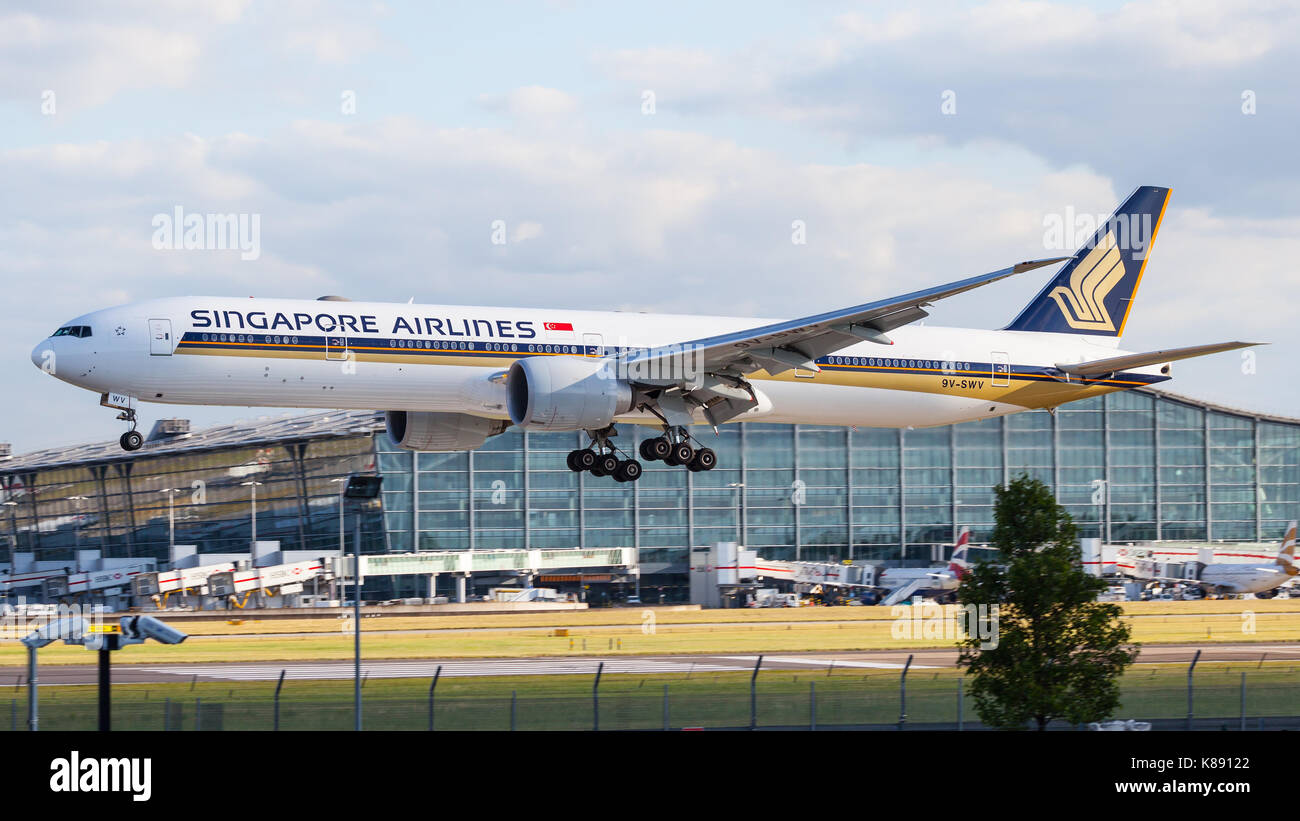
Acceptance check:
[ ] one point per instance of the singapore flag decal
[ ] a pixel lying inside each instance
(559, 332)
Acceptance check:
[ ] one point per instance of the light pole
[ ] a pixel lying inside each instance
(171, 521)
(252, 545)
(71, 629)
(362, 488)
(13, 548)
(342, 489)
(342, 543)
(76, 522)
(637, 578)
(740, 527)
(132, 630)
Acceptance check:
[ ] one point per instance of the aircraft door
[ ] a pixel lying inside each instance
(1001, 370)
(160, 337)
(336, 347)
(593, 345)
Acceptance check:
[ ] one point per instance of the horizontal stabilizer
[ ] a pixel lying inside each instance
(1113, 364)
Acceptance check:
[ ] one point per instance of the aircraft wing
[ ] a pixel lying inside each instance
(797, 343)
(1097, 367)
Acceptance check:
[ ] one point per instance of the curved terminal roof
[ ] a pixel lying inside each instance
(334, 424)
(254, 432)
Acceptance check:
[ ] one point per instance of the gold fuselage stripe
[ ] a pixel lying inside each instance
(1024, 390)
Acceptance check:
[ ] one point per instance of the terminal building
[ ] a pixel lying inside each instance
(1129, 467)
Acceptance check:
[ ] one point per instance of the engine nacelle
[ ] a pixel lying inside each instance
(564, 393)
(427, 430)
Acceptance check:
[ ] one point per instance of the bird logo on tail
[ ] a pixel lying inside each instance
(1083, 304)
(1286, 556)
(959, 565)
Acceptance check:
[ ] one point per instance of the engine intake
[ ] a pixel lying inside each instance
(564, 393)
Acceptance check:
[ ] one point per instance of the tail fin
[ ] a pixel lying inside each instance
(959, 565)
(1093, 293)
(1286, 556)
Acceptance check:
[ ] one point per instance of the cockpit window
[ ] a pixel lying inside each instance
(79, 331)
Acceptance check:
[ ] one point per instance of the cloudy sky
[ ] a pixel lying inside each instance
(649, 158)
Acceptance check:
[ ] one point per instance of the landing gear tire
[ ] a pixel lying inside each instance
(628, 471)
(581, 459)
(680, 454)
(656, 449)
(131, 440)
(606, 464)
(704, 459)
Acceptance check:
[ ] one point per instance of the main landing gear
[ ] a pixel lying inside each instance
(602, 459)
(673, 448)
(132, 439)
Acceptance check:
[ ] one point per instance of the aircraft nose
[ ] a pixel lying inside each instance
(41, 354)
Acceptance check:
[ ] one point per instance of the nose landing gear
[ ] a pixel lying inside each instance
(132, 439)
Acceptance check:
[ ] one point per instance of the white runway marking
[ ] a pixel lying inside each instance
(875, 665)
(1245, 648)
(426, 669)
(1287, 654)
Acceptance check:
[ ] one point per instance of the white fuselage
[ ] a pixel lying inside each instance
(934, 578)
(1244, 578)
(384, 356)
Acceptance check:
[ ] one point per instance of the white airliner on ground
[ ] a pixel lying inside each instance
(939, 583)
(451, 376)
(1221, 579)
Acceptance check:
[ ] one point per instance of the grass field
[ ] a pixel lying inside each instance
(249, 624)
(627, 633)
(737, 635)
(626, 701)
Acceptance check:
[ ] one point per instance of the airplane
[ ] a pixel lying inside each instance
(449, 377)
(1239, 579)
(905, 582)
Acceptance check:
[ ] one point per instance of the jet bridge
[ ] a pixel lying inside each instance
(272, 584)
(464, 565)
(720, 572)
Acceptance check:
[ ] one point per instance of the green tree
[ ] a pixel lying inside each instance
(1059, 652)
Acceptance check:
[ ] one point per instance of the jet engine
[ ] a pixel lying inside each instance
(564, 393)
(427, 430)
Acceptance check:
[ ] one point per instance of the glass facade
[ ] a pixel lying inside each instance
(123, 508)
(1128, 466)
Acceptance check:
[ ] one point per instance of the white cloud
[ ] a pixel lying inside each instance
(1142, 93)
(526, 231)
(90, 55)
(86, 62)
(532, 102)
(1058, 106)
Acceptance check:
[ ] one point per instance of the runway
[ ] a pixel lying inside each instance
(586, 665)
